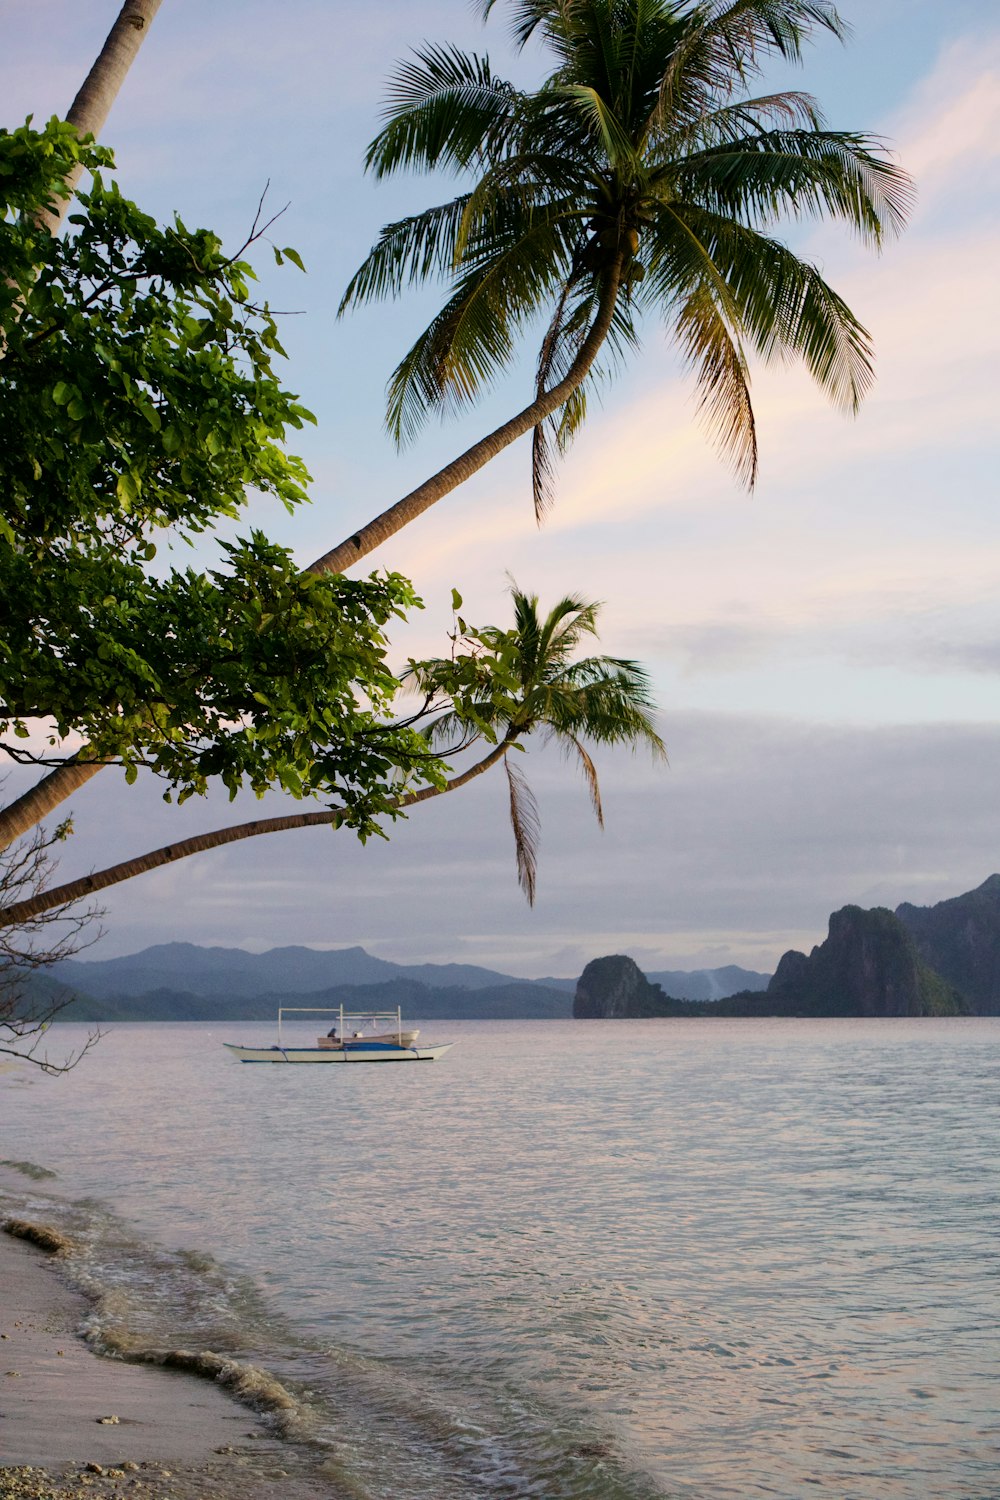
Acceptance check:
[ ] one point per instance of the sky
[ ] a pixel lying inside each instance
(825, 652)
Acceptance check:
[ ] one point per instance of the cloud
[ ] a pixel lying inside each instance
(949, 132)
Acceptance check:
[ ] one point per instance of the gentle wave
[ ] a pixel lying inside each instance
(377, 1430)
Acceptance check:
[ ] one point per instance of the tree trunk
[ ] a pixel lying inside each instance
(29, 809)
(92, 105)
(87, 885)
(475, 458)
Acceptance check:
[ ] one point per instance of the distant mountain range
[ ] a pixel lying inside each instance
(185, 982)
(233, 972)
(942, 959)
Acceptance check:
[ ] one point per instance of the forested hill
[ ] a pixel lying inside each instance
(960, 939)
(515, 1000)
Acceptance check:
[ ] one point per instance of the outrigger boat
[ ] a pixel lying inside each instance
(346, 1041)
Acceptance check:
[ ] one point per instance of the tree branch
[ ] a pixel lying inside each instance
(88, 885)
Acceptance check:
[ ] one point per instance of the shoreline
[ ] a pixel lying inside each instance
(176, 1436)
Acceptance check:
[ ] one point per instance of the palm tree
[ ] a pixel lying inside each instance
(640, 178)
(525, 679)
(602, 699)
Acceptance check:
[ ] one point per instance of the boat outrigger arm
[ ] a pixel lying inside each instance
(386, 1043)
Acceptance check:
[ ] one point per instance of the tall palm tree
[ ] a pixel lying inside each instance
(642, 177)
(600, 699)
(603, 699)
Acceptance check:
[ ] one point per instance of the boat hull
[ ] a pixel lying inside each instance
(355, 1052)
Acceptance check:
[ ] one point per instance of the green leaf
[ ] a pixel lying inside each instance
(128, 488)
(294, 257)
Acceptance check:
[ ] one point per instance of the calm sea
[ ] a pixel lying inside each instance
(573, 1259)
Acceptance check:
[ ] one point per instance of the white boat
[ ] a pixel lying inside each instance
(347, 1041)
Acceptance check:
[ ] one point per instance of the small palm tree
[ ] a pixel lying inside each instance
(640, 178)
(602, 699)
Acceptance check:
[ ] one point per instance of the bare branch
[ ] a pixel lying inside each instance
(29, 1000)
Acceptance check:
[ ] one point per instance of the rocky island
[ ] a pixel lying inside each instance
(941, 960)
(960, 939)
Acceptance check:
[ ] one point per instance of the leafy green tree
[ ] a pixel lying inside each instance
(139, 404)
(642, 179)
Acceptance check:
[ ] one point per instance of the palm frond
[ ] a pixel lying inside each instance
(790, 109)
(606, 700)
(615, 141)
(410, 250)
(525, 183)
(525, 822)
(786, 309)
(723, 380)
(549, 370)
(748, 32)
(571, 744)
(799, 173)
(706, 315)
(449, 733)
(471, 340)
(528, 16)
(566, 332)
(555, 637)
(444, 109)
(727, 42)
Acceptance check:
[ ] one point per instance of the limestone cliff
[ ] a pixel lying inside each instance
(868, 966)
(616, 988)
(960, 938)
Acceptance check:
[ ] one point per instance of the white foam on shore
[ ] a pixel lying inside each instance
(378, 1427)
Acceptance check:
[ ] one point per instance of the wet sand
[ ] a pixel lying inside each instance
(175, 1436)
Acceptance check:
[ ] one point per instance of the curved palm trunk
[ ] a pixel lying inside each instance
(88, 885)
(92, 105)
(24, 812)
(61, 783)
(475, 458)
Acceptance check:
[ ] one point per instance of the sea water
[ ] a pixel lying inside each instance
(605, 1260)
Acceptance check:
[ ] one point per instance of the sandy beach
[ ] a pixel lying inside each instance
(73, 1423)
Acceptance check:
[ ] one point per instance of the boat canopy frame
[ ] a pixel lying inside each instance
(344, 1015)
